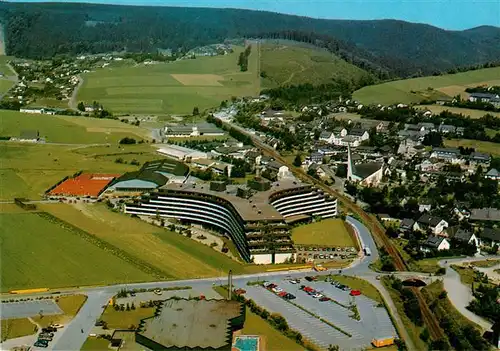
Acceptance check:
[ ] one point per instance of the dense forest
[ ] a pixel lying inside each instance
(387, 47)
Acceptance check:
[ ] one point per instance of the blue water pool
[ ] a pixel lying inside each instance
(247, 343)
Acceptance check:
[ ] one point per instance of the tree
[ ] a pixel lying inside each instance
(127, 141)
(433, 139)
(196, 111)
(81, 106)
(297, 162)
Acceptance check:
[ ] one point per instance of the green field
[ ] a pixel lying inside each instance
(480, 146)
(174, 87)
(5, 84)
(437, 109)
(287, 63)
(37, 253)
(329, 232)
(69, 130)
(15, 328)
(27, 170)
(172, 253)
(400, 91)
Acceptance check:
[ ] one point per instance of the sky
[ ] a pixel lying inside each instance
(447, 14)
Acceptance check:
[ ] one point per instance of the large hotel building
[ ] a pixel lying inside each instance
(256, 217)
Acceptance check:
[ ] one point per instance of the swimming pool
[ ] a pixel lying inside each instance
(246, 343)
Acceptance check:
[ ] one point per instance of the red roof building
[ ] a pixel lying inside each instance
(87, 184)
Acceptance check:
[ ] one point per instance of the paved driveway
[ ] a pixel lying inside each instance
(29, 309)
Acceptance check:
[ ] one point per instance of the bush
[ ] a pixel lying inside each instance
(127, 141)
(441, 271)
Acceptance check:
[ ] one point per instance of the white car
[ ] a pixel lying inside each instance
(157, 291)
(58, 326)
(277, 290)
(294, 282)
(266, 284)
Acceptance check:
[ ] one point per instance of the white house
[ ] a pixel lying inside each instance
(492, 174)
(435, 243)
(435, 224)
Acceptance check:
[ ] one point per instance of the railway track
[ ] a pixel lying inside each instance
(370, 221)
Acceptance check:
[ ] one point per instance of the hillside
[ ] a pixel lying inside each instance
(386, 47)
(426, 88)
(286, 62)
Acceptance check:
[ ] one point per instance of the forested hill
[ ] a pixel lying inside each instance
(396, 48)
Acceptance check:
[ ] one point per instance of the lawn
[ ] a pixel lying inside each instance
(437, 109)
(28, 170)
(171, 253)
(15, 328)
(175, 87)
(70, 305)
(480, 146)
(287, 62)
(468, 276)
(5, 85)
(37, 253)
(125, 319)
(442, 86)
(95, 344)
(68, 130)
(328, 232)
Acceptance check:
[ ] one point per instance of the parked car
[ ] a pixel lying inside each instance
(41, 343)
(157, 291)
(47, 334)
(324, 298)
(132, 294)
(317, 295)
(49, 330)
(355, 293)
(266, 284)
(56, 326)
(282, 294)
(45, 338)
(289, 296)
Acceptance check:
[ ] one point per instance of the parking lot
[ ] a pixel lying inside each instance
(25, 309)
(325, 254)
(373, 321)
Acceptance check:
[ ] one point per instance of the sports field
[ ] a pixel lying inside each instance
(171, 253)
(437, 109)
(330, 232)
(38, 253)
(68, 130)
(286, 62)
(174, 87)
(417, 89)
(27, 170)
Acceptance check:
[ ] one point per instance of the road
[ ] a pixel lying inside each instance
(459, 294)
(73, 103)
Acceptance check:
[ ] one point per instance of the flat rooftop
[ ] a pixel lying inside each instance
(255, 208)
(192, 323)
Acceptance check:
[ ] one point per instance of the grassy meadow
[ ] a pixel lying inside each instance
(288, 63)
(329, 232)
(437, 109)
(177, 256)
(434, 87)
(481, 146)
(16, 328)
(174, 87)
(37, 253)
(68, 130)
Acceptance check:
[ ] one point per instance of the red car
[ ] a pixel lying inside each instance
(355, 293)
(308, 289)
(324, 298)
(282, 294)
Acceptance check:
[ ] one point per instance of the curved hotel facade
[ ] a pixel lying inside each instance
(256, 221)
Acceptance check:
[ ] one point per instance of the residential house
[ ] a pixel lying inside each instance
(492, 174)
(222, 168)
(485, 215)
(407, 225)
(359, 134)
(480, 158)
(437, 243)
(462, 212)
(451, 155)
(466, 236)
(490, 237)
(315, 157)
(460, 131)
(482, 97)
(408, 147)
(447, 129)
(318, 169)
(28, 136)
(424, 206)
(435, 224)
(427, 127)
